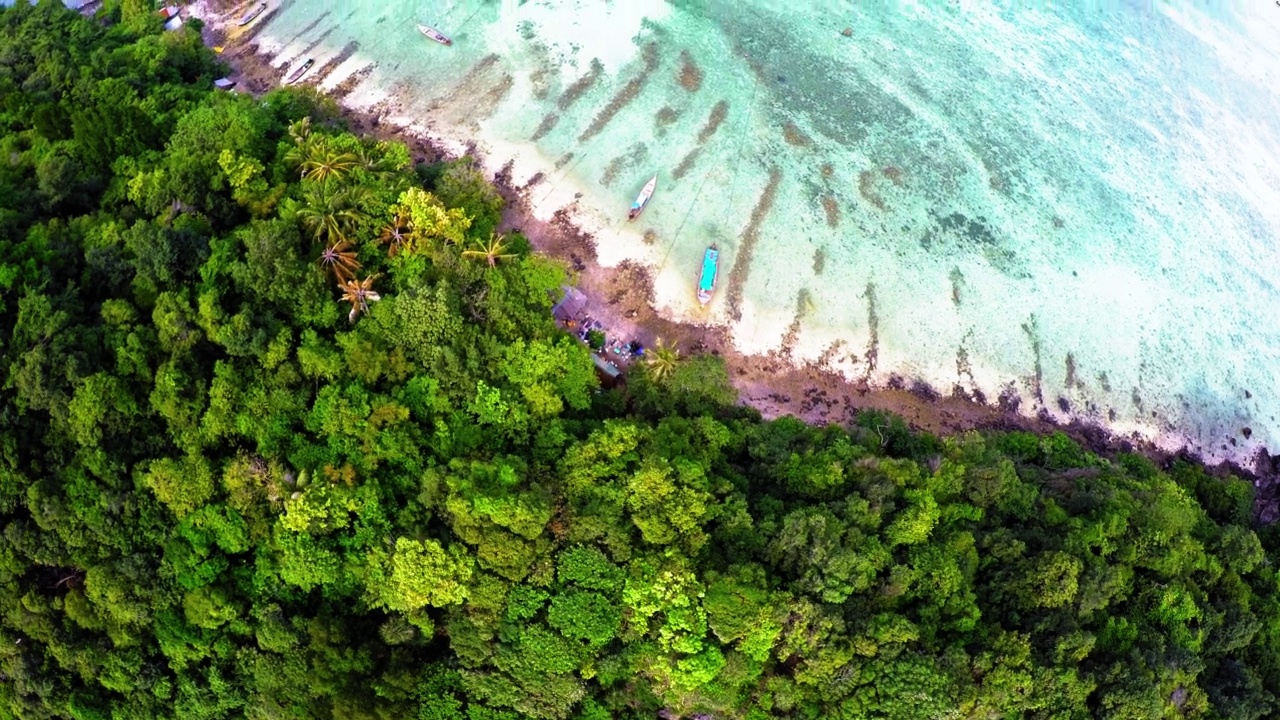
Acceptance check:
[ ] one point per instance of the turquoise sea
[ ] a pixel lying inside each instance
(1075, 205)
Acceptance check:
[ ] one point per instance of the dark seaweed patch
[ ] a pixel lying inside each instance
(750, 236)
(624, 96)
(957, 230)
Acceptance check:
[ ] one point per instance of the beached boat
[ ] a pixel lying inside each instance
(252, 14)
(643, 198)
(302, 70)
(172, 16)
(707, 283)
(434, 34)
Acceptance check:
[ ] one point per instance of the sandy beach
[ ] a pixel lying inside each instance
(621, 297)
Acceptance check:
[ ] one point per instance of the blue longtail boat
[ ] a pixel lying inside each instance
(707, 283)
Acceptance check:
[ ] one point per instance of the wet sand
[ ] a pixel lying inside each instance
(620, 298)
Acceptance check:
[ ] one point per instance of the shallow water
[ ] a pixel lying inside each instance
(1074, 207)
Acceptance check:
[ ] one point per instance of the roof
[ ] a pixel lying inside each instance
(224, 83)
(605, 367)
(571, 305)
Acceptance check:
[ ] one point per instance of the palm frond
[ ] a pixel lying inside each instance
(324, 164)
(492, 251)
(359, 293)
(396, 234)
(340, 259)
(330, 216)
(662, 360)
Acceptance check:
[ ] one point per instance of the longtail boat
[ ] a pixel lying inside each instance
(707, 283)
(297, 74)
(434, 34)
(643, 198)
(172, 16)
(249, 16)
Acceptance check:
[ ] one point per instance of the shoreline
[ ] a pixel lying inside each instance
(621, 297)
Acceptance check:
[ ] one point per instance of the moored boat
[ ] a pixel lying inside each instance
(707, 282)
(643, 198)
(249, 16)
(434, 34)
(302, 70)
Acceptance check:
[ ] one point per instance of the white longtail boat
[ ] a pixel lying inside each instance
(643, 198)
(297, 74)
(434, 34)
(249, 16)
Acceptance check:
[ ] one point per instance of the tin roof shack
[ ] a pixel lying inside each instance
(609, 373)
(571, 306)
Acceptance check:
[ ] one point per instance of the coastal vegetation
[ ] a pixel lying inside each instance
(287, 430)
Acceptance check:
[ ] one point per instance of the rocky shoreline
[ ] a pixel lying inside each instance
(621, 299)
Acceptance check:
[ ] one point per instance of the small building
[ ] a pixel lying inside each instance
(224, 83)
(571, 306)
(609, 373)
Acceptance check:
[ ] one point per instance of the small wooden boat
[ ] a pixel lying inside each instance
(710, 266)
(643, 198)
(252, 14)
(172, 16)
(297, 74)
(434, 34)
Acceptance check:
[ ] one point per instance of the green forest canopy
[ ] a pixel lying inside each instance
(288, 432)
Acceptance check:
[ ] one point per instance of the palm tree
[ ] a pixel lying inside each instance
(396, 234)
(373, 162)
(382, 167)
(304, 143)
(493, 251)
(359, 293)
(300, 130)
(662, 360)
(329, 216)
(340, 259)
(324, 163)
